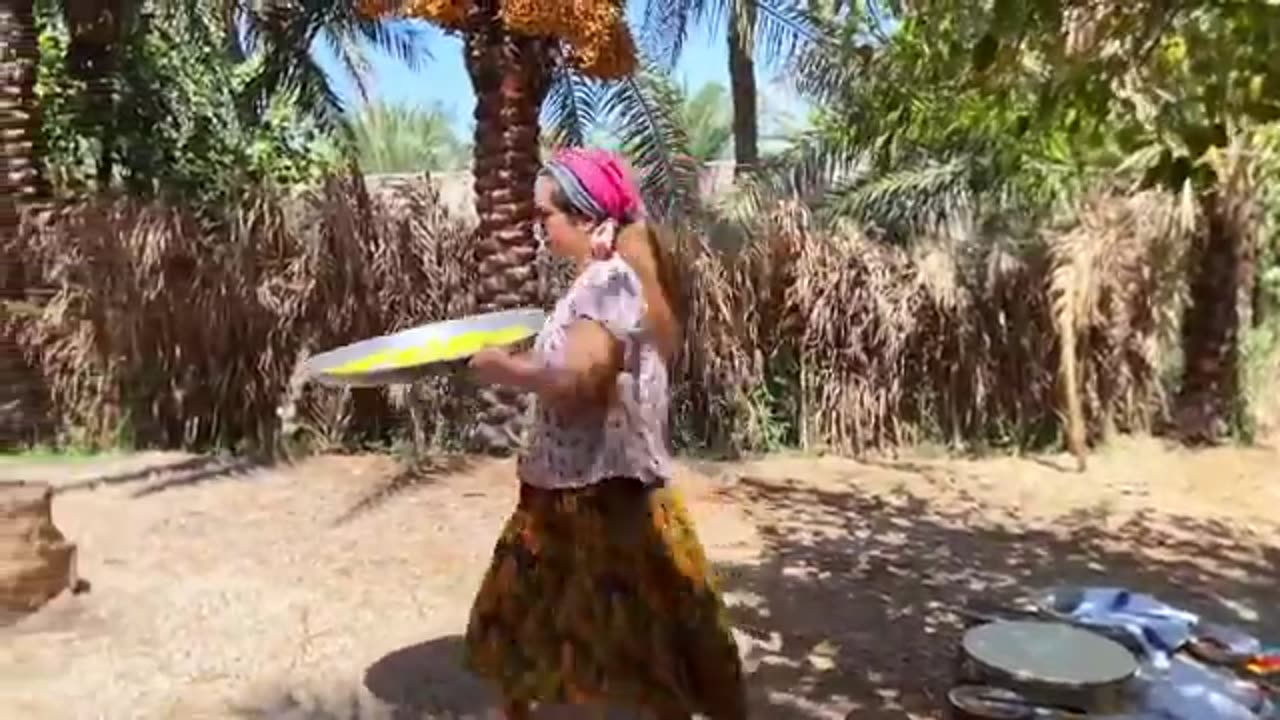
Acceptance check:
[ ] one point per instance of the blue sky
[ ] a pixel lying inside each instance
(442, 80)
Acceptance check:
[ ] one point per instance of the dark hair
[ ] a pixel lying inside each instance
(560, 200)
(665, 319)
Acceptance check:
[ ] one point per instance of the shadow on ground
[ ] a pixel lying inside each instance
(424, 681)
(160, 477)
(852, 611)
(398, 680)
(417, 473)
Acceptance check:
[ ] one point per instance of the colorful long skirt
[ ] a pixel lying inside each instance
(602, 594)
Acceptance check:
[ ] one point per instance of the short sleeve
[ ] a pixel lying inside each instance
(611, 295)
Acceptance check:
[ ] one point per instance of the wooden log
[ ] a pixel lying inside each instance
(37, 562)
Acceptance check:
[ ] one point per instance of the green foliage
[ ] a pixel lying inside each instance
(1260, 345)
(971, 111)
(282, 37)
(708, 120)
(1268, 144)
(1123, 77)
(782, 28)
(641, 117)
(69, 153)
(176, 129)
(405, 139)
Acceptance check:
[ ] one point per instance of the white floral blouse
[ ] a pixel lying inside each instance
(630, 439)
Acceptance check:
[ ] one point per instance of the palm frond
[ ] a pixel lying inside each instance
(284, 36)
(826, 68)
(784, 30)
(665, 26)
(403, 138)
(402, 40)
(644, 111)
(814, 161)
(708, 121)
(780, 27)
(571, 110)
(353, 61)
(1142, 160)
(910, 200)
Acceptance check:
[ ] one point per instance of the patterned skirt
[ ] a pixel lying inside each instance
(602, 594)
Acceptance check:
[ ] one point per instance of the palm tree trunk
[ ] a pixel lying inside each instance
(1221, 281)
(742, 80)
(21, 149)
(510, 74)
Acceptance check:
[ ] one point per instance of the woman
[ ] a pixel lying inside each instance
(598, 590)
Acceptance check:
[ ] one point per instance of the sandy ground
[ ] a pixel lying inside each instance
(337, 588)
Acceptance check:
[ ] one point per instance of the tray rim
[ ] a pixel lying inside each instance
(971, 633)
(319, 367)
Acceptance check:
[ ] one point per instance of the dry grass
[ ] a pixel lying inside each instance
(956, 340)
(168, 330)
(1118, 289)
(179, 333)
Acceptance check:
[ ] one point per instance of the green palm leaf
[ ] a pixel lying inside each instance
(644, 111)
(814, 161)
(403, 139)
(909, 201)
(571, 110)
(283, 34)
(708, 119)
(782, 27)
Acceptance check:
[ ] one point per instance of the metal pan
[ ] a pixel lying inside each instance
(1053, 664)
(411, 354)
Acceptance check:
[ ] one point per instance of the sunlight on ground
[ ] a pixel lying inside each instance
(338, 588)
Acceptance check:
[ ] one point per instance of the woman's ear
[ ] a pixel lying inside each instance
(604, 240)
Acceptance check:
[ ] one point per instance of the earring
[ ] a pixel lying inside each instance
(540, 234)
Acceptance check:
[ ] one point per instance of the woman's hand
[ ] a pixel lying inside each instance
(593, 359)
(492, 366)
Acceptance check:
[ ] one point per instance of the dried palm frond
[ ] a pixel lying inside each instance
(842, 340)
(182, 333)
(1117, 292)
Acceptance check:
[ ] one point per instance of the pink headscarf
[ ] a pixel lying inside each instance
(600, 184)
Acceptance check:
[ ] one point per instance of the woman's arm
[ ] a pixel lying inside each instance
(593, 358)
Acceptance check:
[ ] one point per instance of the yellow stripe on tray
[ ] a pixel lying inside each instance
(458, 346)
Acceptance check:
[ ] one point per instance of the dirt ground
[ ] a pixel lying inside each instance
(338, 588)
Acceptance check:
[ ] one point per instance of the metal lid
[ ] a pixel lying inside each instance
(1049, 653)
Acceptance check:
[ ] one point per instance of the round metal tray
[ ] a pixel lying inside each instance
(1050, 663)
(410, 354)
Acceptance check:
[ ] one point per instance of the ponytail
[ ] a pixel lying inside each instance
(644, 250)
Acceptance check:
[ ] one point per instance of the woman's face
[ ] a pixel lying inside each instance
(565, 235)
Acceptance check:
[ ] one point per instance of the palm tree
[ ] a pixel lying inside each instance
(779, 28)
(522, 56)
(708, 120)
(283, 34)
(99, 30)
(20, 173)
(21, 177)
(405, 139)
(1126, 81)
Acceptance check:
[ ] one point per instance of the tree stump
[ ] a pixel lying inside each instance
(37, 562)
